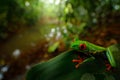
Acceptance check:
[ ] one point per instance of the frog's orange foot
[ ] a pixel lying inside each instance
(108, 67)
(78, 61)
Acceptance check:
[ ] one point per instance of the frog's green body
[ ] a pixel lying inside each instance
(92, 50)
(89, 47)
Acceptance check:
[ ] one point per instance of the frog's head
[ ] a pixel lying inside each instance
(79, 45)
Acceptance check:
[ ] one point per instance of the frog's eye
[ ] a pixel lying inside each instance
(82, 46)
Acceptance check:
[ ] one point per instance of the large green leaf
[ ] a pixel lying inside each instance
(62, 68)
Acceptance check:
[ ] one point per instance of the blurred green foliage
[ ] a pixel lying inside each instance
(16, 13)
(91, 11)
(19, 13)
(53, 47)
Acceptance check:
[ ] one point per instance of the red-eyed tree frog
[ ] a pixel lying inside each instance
(87, 49)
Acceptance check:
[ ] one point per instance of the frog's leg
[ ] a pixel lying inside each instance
(109, 67)
(82, 60)
(79, 61)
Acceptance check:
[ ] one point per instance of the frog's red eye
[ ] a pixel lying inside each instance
(82, 46)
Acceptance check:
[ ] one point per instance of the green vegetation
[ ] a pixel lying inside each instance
(92, 11)
(32, 31)
(15, 14)
(18, 13)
